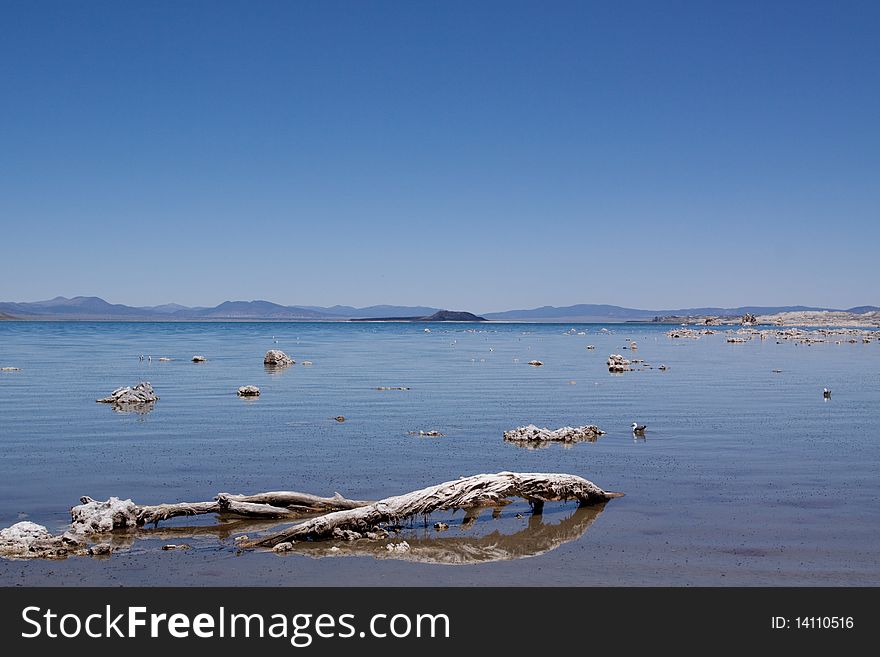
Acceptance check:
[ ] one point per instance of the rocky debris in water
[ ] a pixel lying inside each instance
(403, 546)
(287, 546)
(633, 345)
(346, 534)
(277, 358)
(392, 388)
(199, 359)
(432, 433)
(100, 549)
(165, 359)
(732, 340)
(617, 363)
(693, 334)
(662, 367)
(239, 539)
(10, 369)
(748, 319)
(94, 517)
(142, 393)
(535, 363)
(307, 362)
(591, 347)
(179, 546)
(249, 391)
(340, 418)
(532, 433)
(29, 540)
(441, 526)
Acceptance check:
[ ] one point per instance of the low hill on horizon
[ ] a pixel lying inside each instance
(97, 309)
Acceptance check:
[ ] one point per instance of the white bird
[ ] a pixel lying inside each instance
(638, 429)
(826, 393)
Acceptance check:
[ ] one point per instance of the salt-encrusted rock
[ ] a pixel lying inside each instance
(19, 537)
(749, 319)
(94, 517)
(532, 433)
(10, 369)
(287, 546)
(179, 546)
(307, 363)
(199, 359)
(617, 363)
(535, 363)
(403, 546)
(433, 433)
(100, 549)
(28, 540)
(249, 391)
(277, 358)
(142, 393)
(441, 526)
(392, 388)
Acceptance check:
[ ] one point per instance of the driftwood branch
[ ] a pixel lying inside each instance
(122, 521)
(467, 492)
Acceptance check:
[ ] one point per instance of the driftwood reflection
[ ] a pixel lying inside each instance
(426, 545)
(430, 546)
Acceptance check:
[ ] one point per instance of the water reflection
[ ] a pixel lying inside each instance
(544, 444)
(140, 408)
(274, 369)
(498, 536)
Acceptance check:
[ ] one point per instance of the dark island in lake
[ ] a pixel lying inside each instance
(439, 316)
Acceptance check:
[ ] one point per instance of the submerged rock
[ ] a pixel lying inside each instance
(536, 363)
(277, 358)
(249, 391)
(142, 393)
(617, 363)
(432, 433)
(10, 369)
(532, 433)
(340, 418)
(199, 359)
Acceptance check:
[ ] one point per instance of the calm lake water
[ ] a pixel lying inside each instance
(745, 476)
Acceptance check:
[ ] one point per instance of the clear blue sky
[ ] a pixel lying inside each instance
(472, 155)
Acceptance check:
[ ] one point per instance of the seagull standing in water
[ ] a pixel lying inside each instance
(638, 429)
(826, 393)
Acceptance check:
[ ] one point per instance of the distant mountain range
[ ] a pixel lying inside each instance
(95, 308)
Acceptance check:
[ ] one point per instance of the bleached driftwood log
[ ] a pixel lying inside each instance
(348, 519)
(96, 517)
(467, 492)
